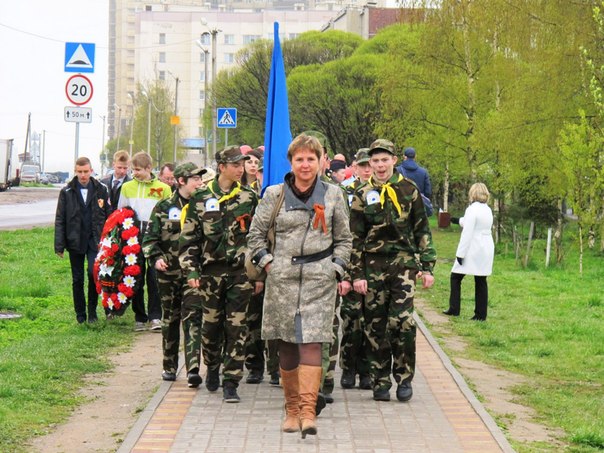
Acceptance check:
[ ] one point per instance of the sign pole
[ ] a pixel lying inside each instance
(226, 138)
(77, 141)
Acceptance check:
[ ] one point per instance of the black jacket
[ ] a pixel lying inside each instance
(78, 225)
(114, 196)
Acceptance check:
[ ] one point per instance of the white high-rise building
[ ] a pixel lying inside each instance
(157, 40)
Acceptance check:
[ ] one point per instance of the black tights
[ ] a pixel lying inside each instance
(481, 295)
(291, 355)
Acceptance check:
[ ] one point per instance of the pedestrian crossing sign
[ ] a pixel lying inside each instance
(227, 118)
(79, 57)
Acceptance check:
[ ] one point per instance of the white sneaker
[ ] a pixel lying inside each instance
(156, 325)
(140, 326)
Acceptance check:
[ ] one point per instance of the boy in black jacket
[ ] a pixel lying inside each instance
(82, 210)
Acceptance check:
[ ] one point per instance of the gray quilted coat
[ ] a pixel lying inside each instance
(309, 288)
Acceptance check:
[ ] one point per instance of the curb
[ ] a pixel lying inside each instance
(463, 386)
(144, 417)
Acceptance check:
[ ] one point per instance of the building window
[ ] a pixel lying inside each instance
(162, 38)
(162, 75)
(202, 95)
(229, 39)
(162, 57)
(248, 39)
(202, 76)
(293, 35)
(229, 58)
(202, 57)
(205, 39)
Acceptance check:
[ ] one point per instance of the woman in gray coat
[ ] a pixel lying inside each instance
(312, 248)
(475, 253)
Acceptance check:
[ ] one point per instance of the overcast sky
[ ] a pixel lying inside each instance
(32, 78)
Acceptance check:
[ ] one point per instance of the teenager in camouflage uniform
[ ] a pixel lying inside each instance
(160, 246)
(353, 346)
(212, 255)
(392, 246)
(329, 351)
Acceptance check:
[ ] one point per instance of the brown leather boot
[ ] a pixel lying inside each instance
(309, 378)
(291, 389)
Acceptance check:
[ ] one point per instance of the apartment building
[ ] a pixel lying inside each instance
(158, 40)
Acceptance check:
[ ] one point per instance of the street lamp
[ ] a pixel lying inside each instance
(119, 125)
(206, 51)
(213, 32)
(144, 93)
(131, 142)
(176, 119)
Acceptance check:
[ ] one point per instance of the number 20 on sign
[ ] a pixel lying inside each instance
(78, 89)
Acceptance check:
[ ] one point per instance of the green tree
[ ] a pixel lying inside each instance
(246, 85)
(580, 145)
(338, 99)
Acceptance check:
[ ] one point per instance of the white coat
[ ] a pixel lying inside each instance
(476, 245)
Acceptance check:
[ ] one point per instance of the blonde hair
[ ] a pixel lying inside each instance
(304, 141)
(478, 192)
(142, 160)
(121, 156)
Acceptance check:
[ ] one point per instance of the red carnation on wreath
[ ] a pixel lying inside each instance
(117, 265)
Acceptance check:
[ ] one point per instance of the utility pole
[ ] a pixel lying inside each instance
(176, 122)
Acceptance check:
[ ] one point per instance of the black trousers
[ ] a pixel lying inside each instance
(481, 295)
(76, 260)
(148, 279)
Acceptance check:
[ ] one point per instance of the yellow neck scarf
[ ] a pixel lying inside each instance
(388, 189)
(233, 193)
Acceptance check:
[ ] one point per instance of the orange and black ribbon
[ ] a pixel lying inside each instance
(241, 220)
(157, 190)
(319, 217)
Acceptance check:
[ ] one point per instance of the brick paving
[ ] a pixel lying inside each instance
(443, 416)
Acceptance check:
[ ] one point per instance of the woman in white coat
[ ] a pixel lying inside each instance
(474, 253)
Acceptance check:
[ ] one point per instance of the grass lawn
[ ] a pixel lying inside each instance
(45, 353)
(546, 324)
(543, 323)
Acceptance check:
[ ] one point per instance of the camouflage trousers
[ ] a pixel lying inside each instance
(329, 353)
(255, 346)
(171, 294)
(353, 347)
(191, 327)
(389, 325)
(224, 301)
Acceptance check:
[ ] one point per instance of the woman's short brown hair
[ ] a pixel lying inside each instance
(479, 192)
(304, 141)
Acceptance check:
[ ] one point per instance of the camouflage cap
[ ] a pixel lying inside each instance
(209, 175)
(230, 154)
(382, 145)
(362, 156)
(188, 169)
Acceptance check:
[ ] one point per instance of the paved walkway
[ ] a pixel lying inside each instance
(443, 416)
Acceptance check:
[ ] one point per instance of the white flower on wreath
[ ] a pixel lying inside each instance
(129, 281)
(132, 241)
(122, 298)
(105, 270)
(130, 259)
(106, 242)
(128, 223)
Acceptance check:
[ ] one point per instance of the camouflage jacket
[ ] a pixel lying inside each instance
(163, 233)
(390, 220)
(215, 228)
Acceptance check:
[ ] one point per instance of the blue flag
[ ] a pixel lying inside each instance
(277, 132)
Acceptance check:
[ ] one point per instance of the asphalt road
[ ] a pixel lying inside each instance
(33, 209)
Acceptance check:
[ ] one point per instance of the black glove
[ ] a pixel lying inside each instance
(459, 260)
(455, 220)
